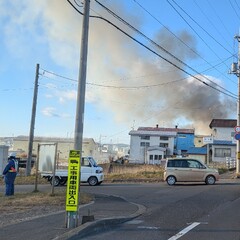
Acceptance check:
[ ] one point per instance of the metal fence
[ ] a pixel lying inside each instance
(230, 162)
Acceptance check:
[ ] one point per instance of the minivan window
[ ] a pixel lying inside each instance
(184, 163)
(194, 164)
(177, 163)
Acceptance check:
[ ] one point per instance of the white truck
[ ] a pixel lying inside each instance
(91, 173)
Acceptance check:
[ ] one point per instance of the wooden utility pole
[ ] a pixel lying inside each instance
(32, 126)
(72, 217)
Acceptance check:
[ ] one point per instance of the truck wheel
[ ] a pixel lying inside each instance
(56, 181)
(92, 181)
(63, 181)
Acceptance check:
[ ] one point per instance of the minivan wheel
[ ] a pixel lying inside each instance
(210, 180)
(92, 181)
(171, 180)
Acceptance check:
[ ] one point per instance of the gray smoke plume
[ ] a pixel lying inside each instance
(138, 85)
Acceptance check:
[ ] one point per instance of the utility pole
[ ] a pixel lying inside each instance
(31, 134)
(72, 217)
(235, 69)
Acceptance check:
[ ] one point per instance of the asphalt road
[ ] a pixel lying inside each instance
(185, 211)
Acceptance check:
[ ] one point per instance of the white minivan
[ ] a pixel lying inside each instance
(189, 170)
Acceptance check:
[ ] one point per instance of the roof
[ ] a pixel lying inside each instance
(197, 150)
(224, 123)
(152, 133)
(223, 142)
(159, 129)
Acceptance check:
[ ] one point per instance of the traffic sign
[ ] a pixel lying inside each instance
(237, 136)
(237, 129)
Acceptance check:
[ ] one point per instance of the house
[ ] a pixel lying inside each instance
(218, 147)
(223, 145)
(223, 129)
(220, 150)
(150, 145)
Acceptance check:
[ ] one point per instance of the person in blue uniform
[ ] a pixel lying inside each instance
(10, 173)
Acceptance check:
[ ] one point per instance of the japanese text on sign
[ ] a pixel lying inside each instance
(74, 165)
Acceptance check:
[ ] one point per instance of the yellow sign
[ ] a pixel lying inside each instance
(74, 166)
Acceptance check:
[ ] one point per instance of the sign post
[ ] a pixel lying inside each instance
(237, 137)
(73, 185)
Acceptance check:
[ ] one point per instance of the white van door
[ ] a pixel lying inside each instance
(86, 169)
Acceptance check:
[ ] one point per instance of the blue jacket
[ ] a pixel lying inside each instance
(10, 167)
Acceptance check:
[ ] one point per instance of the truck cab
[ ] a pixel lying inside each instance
(91, 172)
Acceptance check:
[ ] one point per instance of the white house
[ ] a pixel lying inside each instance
(150, 145)
(223, 145)
(223, 129)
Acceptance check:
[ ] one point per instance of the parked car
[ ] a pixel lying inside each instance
(189, 170)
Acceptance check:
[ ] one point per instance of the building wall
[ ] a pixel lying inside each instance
(90, 148)
(184, 142)
(222, 159)
(155, 153)
(202, 158)
(198, 141)
(222, 133)
(138, 153)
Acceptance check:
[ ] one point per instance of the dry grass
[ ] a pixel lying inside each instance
(133, 172)
(24, 201)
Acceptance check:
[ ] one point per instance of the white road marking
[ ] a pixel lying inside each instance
(150, 228)
(184, 231)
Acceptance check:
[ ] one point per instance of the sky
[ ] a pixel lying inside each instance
(172, 69)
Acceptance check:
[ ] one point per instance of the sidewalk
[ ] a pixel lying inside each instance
(107, 211)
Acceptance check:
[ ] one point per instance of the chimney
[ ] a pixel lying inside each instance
(176, 126)
(156, 125)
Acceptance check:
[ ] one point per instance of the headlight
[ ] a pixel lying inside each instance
(99, 171)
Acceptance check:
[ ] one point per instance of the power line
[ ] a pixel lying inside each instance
(196, 23)
(178, 38)
(195, 30)
(160, 56)
(163, 49)
(112, 86)
(181, 39)
(234, 10)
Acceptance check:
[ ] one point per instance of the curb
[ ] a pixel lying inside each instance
(99, 225)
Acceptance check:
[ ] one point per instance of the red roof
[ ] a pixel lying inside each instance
(178, 130)
(224, 123)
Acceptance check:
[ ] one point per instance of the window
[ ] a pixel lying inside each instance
(157, 157)
(193, 164)
(181, 136)
(145, 137)
(85, 162)
(151, 157)
(222, 152)
(176, 163)
(144, 144)
(164, 145)
(164, 138)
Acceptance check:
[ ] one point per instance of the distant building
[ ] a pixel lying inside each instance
(199, 153)
(220, 145)
(223, 129)
(152, 144)
(90, 148)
